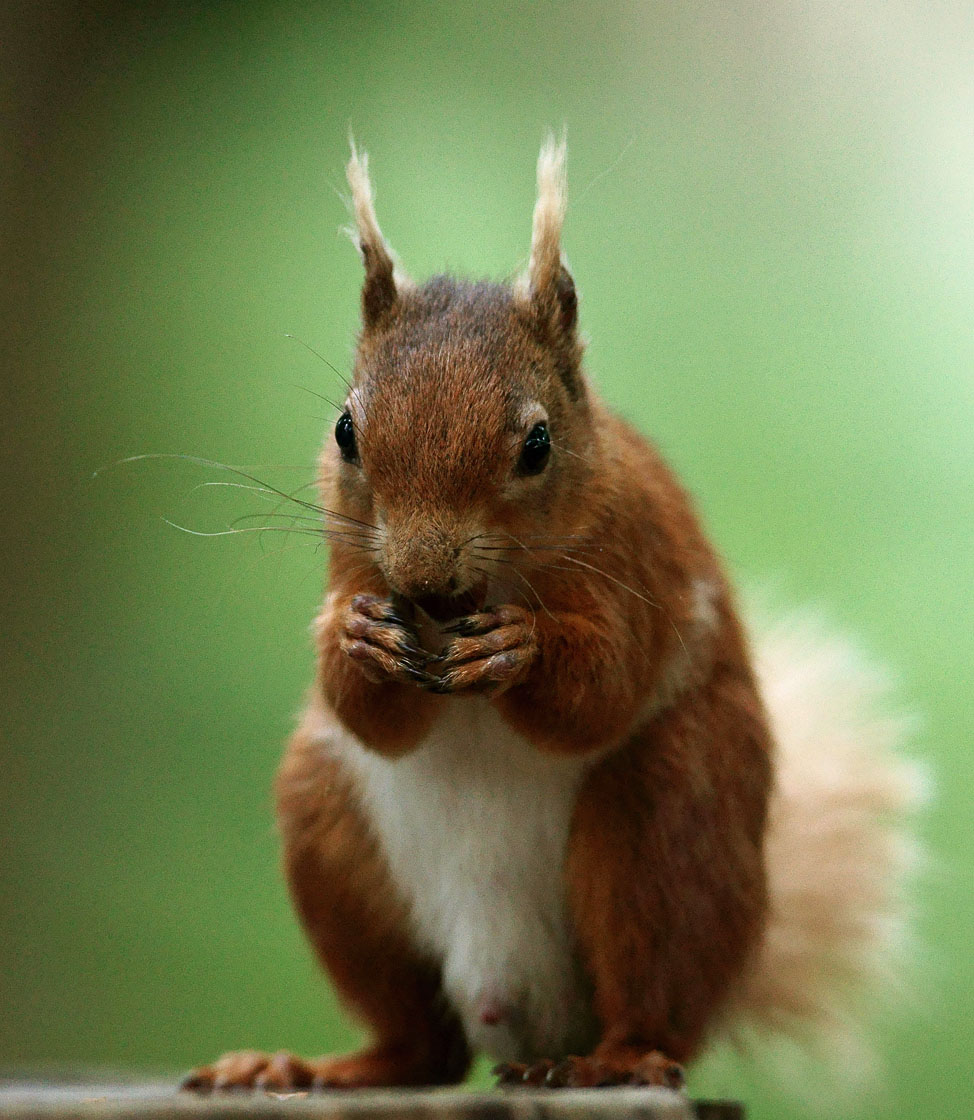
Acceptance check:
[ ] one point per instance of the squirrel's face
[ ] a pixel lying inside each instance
(467, 434)
(461, 442)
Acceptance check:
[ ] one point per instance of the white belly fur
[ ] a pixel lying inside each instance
(475, 824)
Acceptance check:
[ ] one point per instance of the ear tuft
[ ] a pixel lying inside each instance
(548, 283)
(380, 291)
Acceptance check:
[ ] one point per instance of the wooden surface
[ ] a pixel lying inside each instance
(20, 1100)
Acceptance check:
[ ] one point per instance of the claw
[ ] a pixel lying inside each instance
(438, 685)
(538, 1073)
(415, 673)
(675, 1077)
(463, 626)
(559, 1075)
(509, 1073)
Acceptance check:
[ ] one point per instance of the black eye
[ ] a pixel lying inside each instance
(345, 437)
(536, 449)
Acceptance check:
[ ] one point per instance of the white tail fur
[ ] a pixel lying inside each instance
(839, 846)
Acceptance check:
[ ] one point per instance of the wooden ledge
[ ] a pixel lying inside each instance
(35, 1100)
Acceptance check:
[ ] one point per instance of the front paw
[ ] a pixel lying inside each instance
(381, 643)
(492, 651)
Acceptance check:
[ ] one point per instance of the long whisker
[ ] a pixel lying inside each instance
(293, 517)
(245, 529)
(612, 579)
(350, 533)
(541, 603)
(319, 535)
(545, 537)
(321, 397)
(517, 591)
(320, 357)
(535, 548)
(632, 591)
(568, 451)
(251, 478)
(271, 494)
(353, 538)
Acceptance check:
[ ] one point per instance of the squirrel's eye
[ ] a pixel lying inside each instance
(345, 437)
(536, 449)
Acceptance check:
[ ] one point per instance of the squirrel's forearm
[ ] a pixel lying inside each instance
(389, 716)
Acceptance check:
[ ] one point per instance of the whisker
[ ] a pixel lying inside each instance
(320, 357)
(541, 603)
(321, 397)
(516, 591)
(632, 591)
(246, 529)
(612, 579)
(352, 537)
(250, 478)
(536, 548)
(547, 537)
(320, 535)
(568, 451)
(294, 517)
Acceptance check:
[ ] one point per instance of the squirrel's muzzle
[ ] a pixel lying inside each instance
(423, 562)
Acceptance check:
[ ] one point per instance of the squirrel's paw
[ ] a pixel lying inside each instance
(252, 1069)
(383, 646)
(653, 1068)
(284, 1073)
(492, 650)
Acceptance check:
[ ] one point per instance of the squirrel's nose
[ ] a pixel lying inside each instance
(421, 560)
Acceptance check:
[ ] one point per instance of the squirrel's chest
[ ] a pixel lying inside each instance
(475, 826)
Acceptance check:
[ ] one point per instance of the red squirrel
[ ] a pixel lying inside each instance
(546, 803)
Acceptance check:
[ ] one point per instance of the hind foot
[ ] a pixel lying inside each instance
(651, 1068)
(284, 1073)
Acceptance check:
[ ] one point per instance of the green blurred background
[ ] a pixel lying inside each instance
(771, 232)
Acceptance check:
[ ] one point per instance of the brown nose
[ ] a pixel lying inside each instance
(421, 562)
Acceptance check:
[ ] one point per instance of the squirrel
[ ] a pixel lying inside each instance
(548, 802)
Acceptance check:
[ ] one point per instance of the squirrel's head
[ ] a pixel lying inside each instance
(466, 436)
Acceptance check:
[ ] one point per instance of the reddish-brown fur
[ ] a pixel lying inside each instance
(616, 639)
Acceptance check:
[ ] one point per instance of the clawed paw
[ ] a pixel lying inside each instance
(574, 1072)
(487, 652)
(381, 643)
(252, 1069)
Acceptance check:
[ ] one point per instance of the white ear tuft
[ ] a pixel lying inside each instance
(548, 284)
(366, 232)
(382, 276)
(549, 215)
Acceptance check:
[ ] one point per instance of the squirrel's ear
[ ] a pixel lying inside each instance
(383, 281)
(548, 285)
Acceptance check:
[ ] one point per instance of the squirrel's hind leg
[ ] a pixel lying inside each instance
(666, 879)
(346, 901)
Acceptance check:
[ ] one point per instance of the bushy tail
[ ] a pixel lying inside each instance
(839, 847)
